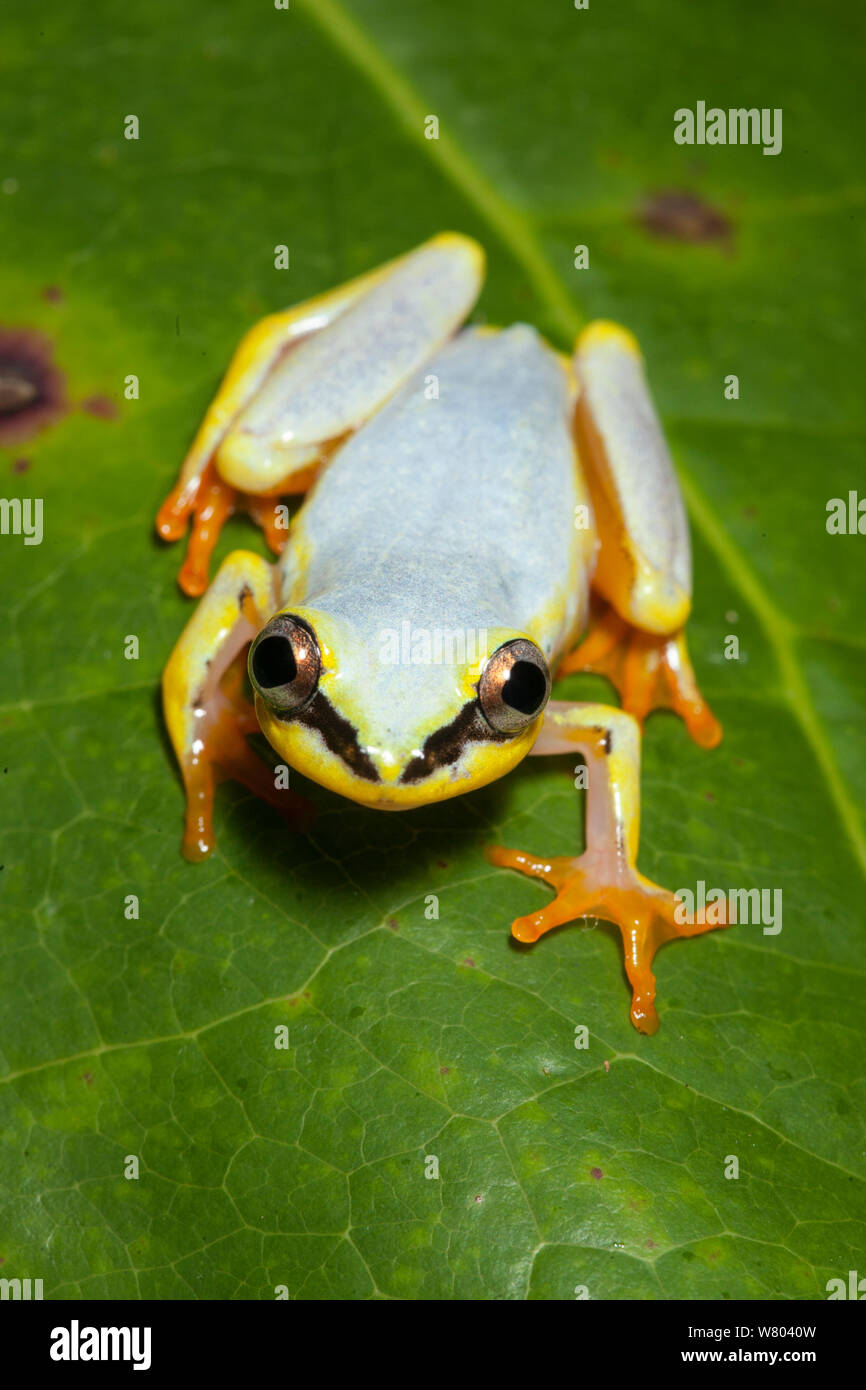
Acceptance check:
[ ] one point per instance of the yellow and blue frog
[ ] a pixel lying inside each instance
(467, 480)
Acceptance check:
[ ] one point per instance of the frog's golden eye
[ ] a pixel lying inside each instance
(284, 664)
(514, 686)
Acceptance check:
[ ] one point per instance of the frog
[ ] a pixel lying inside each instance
(455, 478)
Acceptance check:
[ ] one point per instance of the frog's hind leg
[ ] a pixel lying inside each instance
(643, 577)
(206, 712)
(604, 881)
(302, 380)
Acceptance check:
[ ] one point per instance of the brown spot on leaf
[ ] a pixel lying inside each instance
(102, 407)
(444, 1071)
(32, 391)
(683, 216)
(607, 1066)
(53, 293)
(469, 961)
(21, 466)
(393, 924)
(596, 1173)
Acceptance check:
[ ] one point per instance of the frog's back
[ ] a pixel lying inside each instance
(457, 499)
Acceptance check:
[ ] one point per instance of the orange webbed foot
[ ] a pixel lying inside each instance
(210, 501)
(595, 886)
(649, 671)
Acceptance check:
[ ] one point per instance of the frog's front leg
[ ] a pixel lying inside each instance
(642, 583)
(207, 715)
(303, 379)
(604, 881)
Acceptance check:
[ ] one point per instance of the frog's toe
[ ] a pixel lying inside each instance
(649, 671)
(222, 755)
(209, 501)
(554, 871)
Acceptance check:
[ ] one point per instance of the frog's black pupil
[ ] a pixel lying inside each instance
(525, 687)
(274, 662)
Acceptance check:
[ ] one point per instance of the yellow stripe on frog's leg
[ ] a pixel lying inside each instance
(302, 379)
(643, 570)
(205, 710)
(604, 881)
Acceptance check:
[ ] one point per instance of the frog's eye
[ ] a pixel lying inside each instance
(284, 664)
(514, 686)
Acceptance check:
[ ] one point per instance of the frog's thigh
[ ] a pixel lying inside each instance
(200, 491)
(644, 563)
(302, 379)
(644, 568)
(333, 380)
(604, 881)
(206, 715)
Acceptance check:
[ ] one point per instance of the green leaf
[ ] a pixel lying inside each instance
(412, 1039)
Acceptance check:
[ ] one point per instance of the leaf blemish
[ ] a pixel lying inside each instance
(32, 388)
(101, 407)
(683, 216)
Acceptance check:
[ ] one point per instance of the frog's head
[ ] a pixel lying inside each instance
(396, 718)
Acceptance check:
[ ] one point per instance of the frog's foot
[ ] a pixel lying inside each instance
(595, 885)
(604, 881)
(207, 711)
(221, 753)
(649, 671)
(210, 501)
(224, 755)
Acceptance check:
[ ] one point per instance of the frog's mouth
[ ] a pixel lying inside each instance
(323, 745)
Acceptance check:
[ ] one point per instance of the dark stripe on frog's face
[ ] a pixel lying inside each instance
(446, 745)
(339, 735)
